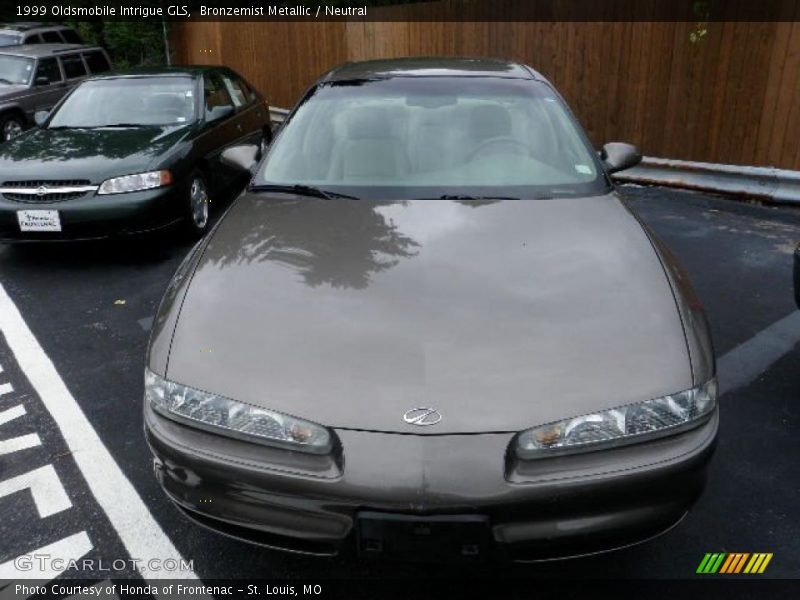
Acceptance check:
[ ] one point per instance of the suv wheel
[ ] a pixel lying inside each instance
(11, 126)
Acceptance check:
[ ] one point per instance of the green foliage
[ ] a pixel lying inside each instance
(700, 30)
(129, 43)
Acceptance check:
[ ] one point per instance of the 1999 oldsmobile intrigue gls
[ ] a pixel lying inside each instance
(128, 153)
(430, 328)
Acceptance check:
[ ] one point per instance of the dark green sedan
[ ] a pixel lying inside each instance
(128, 153)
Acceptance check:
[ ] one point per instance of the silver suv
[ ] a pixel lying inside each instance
(17, 34)
(34, 78)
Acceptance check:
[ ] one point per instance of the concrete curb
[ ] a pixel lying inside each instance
(761, 183)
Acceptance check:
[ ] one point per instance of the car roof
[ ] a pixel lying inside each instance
(431, 67)
(25, 26)
(190, 70)
(40, 50)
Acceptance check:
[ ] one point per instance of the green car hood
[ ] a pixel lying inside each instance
(92, 154)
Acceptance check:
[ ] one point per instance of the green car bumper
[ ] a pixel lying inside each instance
(94, 216)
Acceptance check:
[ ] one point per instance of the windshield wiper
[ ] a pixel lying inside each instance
(116, 125)
(4, 80)
(301, 190)
(468, 197)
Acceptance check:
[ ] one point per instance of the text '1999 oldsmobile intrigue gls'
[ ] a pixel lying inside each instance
(431, 329)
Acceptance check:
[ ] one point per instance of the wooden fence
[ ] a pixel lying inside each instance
(732, 98)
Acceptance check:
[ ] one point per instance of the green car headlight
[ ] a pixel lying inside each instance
(224, 416)
(620, 426)
(135, 183)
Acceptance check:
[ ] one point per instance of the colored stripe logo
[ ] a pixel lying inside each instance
(734, 563)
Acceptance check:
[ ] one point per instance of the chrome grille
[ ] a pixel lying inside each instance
(46, 190)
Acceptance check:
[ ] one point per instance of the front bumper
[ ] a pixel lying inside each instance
(98, 216)
(539, 510)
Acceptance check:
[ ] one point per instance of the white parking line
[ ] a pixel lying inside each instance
(748, 360)
(140, 533)
(15, 412)
(49, 495)
(68, 549)
(23, 442)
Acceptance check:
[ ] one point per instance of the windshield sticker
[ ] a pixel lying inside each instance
(585, 169)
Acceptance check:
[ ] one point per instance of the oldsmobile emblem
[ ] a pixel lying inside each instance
(422, 416)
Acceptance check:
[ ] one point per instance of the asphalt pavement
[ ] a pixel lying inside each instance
(90, 306)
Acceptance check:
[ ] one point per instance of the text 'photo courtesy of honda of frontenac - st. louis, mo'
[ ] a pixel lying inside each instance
(430, 329)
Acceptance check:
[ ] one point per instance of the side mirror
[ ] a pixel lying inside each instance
(40, 116)
(619, 156)
(219, 112)
(41, 80)
(241, 158)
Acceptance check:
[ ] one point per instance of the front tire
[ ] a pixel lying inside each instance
(11, 125)
(198, 205)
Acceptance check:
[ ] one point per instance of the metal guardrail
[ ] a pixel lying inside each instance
(760, 183)
(780, 186)
(278, 115)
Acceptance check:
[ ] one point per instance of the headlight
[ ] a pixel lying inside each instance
(235, 419)
(619, 426)
(135, 183)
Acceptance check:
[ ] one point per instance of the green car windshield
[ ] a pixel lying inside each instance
(428, 137)
(15, 69)
(130, 101)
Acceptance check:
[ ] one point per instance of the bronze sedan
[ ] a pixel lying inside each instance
(430, 329)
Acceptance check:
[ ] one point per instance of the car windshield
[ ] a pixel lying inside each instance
(131, 101)
(9, 39)
(429, 137)
(15, 69)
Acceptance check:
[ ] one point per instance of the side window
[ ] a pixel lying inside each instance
(215, 97)
(32, 39)
(48, 67)
(71, 37)
(234, 88)
(96, 61)
(73, 66)
(251, 95)
(51, 37)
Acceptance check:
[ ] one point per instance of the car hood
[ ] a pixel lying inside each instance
(93, 154)
(500, 315)
(8, 90)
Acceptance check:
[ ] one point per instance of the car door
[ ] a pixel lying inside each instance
(74, 69)
(45, 96)
(220, 125)
(96, 61)
(249, 119)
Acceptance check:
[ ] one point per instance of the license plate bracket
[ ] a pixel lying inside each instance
(444, 538)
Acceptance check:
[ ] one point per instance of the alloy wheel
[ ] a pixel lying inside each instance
(198, 198)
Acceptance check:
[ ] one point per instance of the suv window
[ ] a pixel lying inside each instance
(52, 37)
(32, 39)
(215, 95)
(73, 66)
(71, 37)
(96, 61)
(236, 91)
(48, 67)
